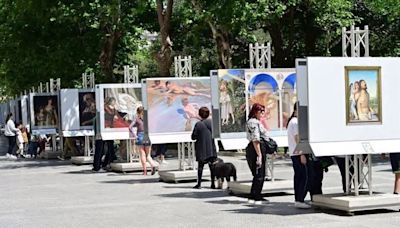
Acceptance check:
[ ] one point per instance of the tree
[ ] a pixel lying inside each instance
(164, 55)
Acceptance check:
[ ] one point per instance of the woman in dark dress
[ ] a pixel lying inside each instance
(204, 145)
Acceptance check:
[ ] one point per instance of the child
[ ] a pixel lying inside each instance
(20, 141)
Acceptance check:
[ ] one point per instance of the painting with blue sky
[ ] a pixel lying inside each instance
(363, 95)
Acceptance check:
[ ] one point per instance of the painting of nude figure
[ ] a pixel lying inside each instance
(173, 103)
(363, 95)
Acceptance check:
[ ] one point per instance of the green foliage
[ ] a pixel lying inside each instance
(42, 39)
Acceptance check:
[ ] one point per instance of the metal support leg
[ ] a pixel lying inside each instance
(347, 174)
(356, 175)
(128, 151)
(54, 143)
(87, 146)
(269, 167)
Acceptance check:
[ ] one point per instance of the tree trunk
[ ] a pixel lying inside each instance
(108, 52)
(277, 43)
(163, 57)
(221, 38)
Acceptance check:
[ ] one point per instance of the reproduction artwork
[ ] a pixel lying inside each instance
(363, 95)
(232, 100)
(288, 97)
(120, 106)
(262, 88)
(173, 104)
(87, 108)
(45, 111)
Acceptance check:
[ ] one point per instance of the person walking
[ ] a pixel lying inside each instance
(143, 143)
(299, 162)
(204, 146)
(10, 132)
(256, 152)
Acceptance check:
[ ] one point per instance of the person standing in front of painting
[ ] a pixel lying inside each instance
(299, 162)
(143, 143)
(363, 108)
(10, 132)
(204, 146)
(256, 152)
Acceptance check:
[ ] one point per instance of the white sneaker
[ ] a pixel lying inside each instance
(13, 157)
(251, 201)
(8, 155)
(163, 162)
(301, 205)
(258, 202)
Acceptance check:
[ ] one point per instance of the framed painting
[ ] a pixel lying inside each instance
(363, 95)
(173, 103)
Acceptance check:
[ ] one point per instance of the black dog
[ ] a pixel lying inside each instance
(221, 170)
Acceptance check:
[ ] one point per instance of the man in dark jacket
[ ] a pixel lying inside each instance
(204, 145)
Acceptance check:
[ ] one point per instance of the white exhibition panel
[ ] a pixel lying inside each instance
(234, 144)
(78, 133)
(44, 131)
(24, 110)
(47, 129)
(172, 136)
(112, 133)
(69, 109)
(241, 143)
(356, 147)
(329, 133)
(168, 138)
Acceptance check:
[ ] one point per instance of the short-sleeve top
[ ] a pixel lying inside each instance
(292, 130)
(255, 130)
(139, 124)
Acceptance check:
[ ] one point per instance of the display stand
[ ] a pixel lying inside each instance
(359, 195)
(131, 76)
(88, 82)
(260, 58)
(53, 87)
(186, 153)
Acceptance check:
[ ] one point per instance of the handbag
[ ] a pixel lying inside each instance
(270, 145)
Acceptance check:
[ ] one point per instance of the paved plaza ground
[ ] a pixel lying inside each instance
(51, 193)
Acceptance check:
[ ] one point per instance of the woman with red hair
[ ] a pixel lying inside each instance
(256, 151)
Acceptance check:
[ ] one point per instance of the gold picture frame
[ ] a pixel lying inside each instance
(363, 95)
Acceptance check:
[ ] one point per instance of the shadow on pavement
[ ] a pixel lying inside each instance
(34, 163)
(196, 194)
(132, 181)
(272, 208)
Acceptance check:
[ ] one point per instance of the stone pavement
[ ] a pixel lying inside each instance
(41, 193)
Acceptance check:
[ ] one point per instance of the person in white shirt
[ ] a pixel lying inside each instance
(9, 131)
(299, 162)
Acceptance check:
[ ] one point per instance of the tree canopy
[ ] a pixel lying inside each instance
(42, 39)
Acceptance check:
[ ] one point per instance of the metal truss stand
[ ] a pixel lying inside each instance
(186, 152)
(260, 56)
(359, 195)
(131, 76)
(88, 82)
(355, 41)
